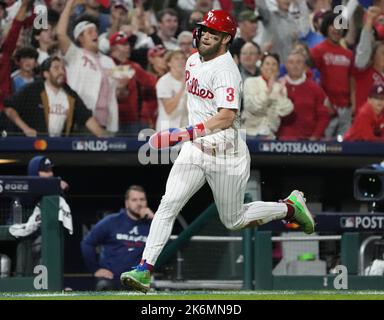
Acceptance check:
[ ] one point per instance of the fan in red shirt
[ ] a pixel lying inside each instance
(157, 67)
(7, 49)
(132, 79)
(335, 64)
(310, 116)
(369, 60)
(368, 125)
(373, 74)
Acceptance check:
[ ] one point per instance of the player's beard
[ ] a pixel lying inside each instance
(209, 52)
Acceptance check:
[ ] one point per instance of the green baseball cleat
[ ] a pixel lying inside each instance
(302, 215)
(138, 280)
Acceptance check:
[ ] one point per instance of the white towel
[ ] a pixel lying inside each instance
(65, 215)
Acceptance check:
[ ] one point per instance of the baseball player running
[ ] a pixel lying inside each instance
(212, 150)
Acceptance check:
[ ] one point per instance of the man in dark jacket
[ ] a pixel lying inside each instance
(122, 237)
(50, 107)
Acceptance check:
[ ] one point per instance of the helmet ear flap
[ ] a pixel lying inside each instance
(196, 36)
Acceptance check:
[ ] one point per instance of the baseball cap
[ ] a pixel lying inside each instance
(120, 4)
(377, 91)
(80, 27)
(156, 51)
(39, 163)
(45, 164)
(121, 37)
(248, 15)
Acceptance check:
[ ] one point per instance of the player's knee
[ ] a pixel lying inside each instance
(233, 225)
(170, 204)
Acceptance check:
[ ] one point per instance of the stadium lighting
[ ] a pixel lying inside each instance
(6, 161)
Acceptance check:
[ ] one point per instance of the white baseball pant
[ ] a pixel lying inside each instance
(227, 175)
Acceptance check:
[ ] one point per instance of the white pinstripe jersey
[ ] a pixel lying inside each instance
(212, 85)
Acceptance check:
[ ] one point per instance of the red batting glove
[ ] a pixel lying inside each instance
(173, 136)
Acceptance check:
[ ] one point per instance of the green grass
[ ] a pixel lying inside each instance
(199, 295)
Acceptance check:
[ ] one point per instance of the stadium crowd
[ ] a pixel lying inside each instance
(311, 71)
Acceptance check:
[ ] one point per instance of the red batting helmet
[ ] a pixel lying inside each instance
(220, 20)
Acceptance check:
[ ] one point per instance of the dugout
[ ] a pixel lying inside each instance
(26, 273)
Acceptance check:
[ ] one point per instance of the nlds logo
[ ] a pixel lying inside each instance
(90, 145)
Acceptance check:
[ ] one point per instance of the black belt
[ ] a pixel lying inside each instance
(214, 148)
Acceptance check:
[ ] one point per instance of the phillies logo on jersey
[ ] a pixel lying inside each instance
(336, 60)
(87, 61)
(193, 88)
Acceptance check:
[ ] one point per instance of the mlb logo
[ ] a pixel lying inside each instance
(78, 145)
(264, 147)
(347, 222)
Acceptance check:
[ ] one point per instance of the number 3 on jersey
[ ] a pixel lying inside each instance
(231, 94)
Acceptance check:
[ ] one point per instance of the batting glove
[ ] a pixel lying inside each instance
(173, 136)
